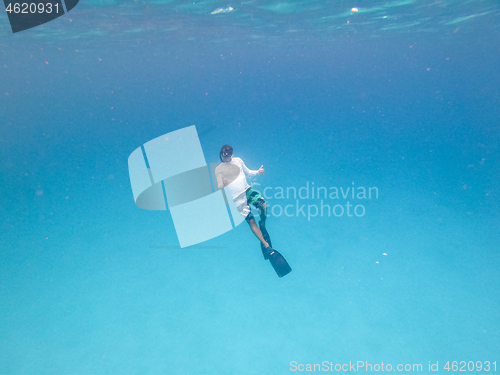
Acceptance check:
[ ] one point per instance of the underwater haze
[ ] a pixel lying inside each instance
(391, 107)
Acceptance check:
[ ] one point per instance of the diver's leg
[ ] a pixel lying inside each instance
(256, 230)
(260, 205)
(263, 212)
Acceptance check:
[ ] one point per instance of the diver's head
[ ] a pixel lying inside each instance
(226, 154)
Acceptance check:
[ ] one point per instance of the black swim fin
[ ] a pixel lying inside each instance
(279, 263)
(277, 260)
(266, 237)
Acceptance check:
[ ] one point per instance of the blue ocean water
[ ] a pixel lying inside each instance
(402, 97)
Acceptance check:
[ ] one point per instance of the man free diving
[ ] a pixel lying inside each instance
(231, 175)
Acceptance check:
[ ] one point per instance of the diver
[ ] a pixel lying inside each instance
(231, 175)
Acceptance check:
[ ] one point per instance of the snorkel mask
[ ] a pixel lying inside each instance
(226, 151)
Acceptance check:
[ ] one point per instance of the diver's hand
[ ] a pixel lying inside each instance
(224, 181)
(261, 170)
